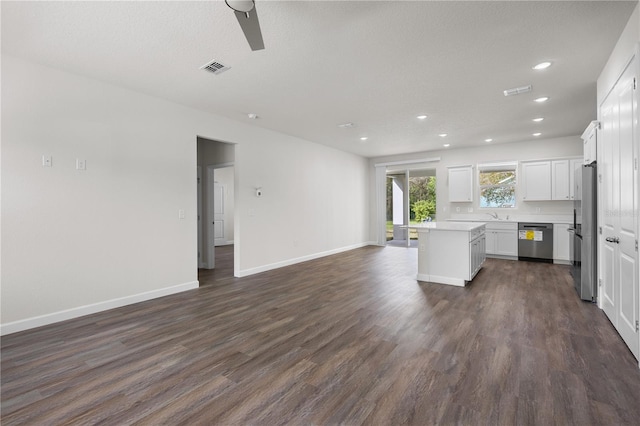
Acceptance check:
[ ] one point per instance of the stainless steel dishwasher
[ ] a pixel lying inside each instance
(535, 241)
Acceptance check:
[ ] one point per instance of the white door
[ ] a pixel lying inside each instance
(618, 166)
(219, 191)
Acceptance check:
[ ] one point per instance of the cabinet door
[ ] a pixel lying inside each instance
(574, 189)
(560, 185)
(460, 184)
(506, 243)
(561, 241)
(589, 148)
(490, 242)
(536, 180)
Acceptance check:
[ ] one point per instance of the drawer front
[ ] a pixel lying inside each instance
(502, 226)
(476, 233)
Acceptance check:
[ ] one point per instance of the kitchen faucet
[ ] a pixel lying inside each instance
(493, 215)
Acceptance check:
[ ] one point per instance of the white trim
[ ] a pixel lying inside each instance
(495, 167)
(210, 261)
(441, 280)
(381, 197)
(416, 161)
(26, 324)
(289, 262)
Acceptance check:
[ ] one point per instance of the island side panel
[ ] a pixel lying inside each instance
(443, 256)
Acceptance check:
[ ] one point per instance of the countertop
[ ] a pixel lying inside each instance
(448, 226)
(567, 219)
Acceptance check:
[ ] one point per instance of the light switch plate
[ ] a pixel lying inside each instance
(47, 161)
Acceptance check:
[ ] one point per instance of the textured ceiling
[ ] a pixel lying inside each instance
(377, 64)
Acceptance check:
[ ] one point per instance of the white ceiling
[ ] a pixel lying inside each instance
(377, 64)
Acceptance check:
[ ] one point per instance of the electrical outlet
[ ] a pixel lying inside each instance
(537, 209)
(457, 209)
(81, 164)
(181, 214)
(470, 210)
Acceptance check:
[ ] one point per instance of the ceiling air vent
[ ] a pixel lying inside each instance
(214, 67)
(517, 90)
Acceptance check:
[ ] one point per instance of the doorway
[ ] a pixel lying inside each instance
(216, 199)
(410, 199)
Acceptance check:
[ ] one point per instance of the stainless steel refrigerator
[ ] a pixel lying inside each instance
(583, 253)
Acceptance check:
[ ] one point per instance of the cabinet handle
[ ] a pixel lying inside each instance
(613, 240)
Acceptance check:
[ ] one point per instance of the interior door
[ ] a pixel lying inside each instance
(218, 214)
(627, 262)
(618, 169)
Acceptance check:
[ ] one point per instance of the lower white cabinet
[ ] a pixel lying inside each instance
(562, 243)
(502, 239)
(477, 255)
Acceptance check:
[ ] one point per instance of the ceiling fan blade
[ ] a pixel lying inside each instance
(251, 28)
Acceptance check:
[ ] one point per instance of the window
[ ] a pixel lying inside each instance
(497, 185)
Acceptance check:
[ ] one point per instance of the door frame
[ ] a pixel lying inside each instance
(201, 260)
(381, 191)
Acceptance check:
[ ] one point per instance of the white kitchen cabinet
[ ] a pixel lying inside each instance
(549, 180)
(562, 243)
(574, 191)
(536, 180)
(589, 139)
(560, 183)
(461, 184)
(501, 239)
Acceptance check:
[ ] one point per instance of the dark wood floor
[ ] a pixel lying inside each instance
(347, 339)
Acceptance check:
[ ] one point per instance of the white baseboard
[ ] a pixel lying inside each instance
(288, 262)
(26, 324)
(441, 280)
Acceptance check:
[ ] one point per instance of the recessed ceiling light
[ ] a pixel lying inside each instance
(488, 140)
(443, 135)
(542, 65)
(346, 125)
(364, 138)
(447, 145)
(536, 134)
(421, 117)
(542, 99)
(252, 116)
(539, 119)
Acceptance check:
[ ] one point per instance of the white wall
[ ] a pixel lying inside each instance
(529, 150)
(620, 56)
(76, 242)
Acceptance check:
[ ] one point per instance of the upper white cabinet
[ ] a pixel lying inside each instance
(536, 180)
(549, 180)
(575, 185)
(560, 185)
(589, 138)
(461, 184)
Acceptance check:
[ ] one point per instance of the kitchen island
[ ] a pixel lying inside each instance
(450, 252)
